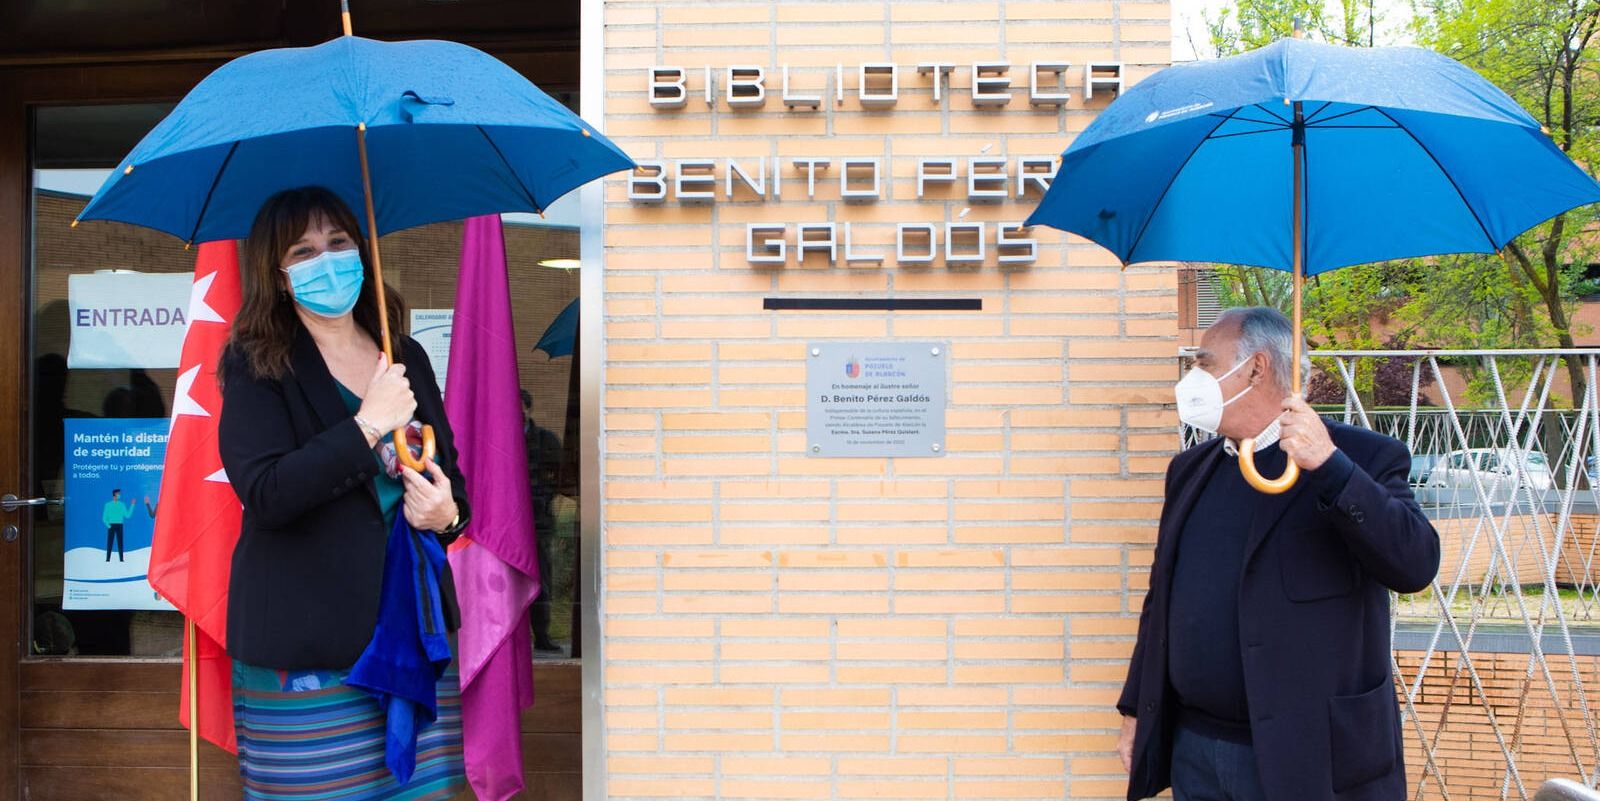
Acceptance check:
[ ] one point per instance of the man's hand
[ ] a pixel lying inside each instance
(1125, 742)
(1303, 435)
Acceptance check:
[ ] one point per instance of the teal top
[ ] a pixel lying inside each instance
(390, 490)
(115, 514)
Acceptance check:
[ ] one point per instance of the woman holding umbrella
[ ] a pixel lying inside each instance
(307, 398)
(412, 133)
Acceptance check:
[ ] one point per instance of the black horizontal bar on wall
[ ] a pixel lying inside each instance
(873, 304)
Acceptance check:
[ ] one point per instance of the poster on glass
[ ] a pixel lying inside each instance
(113, 487)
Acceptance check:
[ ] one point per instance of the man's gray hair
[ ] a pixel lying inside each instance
(1263, 329)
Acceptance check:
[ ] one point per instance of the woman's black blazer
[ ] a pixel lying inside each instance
(308, 569)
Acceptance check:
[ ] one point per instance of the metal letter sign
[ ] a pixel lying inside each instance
(875, 398)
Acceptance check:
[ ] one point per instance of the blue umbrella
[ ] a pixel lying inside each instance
(559, 337)
(450, 132)
(1307, 157)
(414, 132)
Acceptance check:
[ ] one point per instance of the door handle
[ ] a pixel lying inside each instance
(11, 503)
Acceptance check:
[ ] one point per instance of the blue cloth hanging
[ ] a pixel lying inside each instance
(410, 648)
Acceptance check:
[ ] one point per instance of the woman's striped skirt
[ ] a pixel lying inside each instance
(306, 736)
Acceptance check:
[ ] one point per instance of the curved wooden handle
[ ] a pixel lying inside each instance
(1253, 477)
(402, 449)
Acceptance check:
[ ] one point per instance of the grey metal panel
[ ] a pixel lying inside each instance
(591, 283)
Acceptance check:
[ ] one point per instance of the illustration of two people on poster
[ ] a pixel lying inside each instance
(115, 516)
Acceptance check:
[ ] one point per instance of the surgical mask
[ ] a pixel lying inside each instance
(328, 284)
(1200, 402)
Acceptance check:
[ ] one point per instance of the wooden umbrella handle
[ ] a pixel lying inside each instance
(1253, 477)
(402, 449)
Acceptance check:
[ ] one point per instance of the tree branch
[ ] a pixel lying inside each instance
(1526, 264)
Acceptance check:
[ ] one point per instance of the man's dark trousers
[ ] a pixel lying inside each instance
(114, 535)
(1207, 768)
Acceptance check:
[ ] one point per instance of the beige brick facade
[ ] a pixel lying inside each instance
(780, 626)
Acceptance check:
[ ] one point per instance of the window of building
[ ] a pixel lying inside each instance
(1199, 298)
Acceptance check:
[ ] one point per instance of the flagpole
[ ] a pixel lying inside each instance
(192, 668)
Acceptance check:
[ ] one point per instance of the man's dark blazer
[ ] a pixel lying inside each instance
(1313, 624)
(307, 572)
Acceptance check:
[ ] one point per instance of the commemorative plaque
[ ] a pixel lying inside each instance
(875, 398)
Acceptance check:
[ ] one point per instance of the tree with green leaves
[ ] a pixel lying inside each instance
(1538, 52)
(1248, 24)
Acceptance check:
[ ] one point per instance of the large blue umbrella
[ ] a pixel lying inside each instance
(413, 132)
(1307, 157)
(450, 133)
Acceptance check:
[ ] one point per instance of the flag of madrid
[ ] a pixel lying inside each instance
(197, 519)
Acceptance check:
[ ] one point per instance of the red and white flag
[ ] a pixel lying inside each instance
(197, 519)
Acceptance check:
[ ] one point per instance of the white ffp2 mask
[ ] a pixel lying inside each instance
(1200, 402)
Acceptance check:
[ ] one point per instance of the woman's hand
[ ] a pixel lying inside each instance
(388, 402)
(429, 504)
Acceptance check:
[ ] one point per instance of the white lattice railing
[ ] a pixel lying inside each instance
(1498, 662)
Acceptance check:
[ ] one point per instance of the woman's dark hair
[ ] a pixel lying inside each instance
(265, 328)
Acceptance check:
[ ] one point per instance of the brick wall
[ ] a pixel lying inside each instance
(786, 627)
(1544, 727)
(1527, 540)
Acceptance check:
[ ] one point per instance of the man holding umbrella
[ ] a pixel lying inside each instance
(1262, 664)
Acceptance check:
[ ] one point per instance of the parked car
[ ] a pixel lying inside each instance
(1496, 468)
(1422, 465)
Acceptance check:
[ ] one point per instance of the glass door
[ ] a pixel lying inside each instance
(106, 321)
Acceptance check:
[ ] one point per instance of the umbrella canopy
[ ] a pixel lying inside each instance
(1407, 153)
(451, 133)
(413, 132)
(558, 338)
(1309, 157)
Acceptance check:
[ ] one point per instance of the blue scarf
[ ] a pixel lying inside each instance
(410, 648)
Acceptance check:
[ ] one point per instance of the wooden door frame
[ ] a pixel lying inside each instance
(13, 447)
